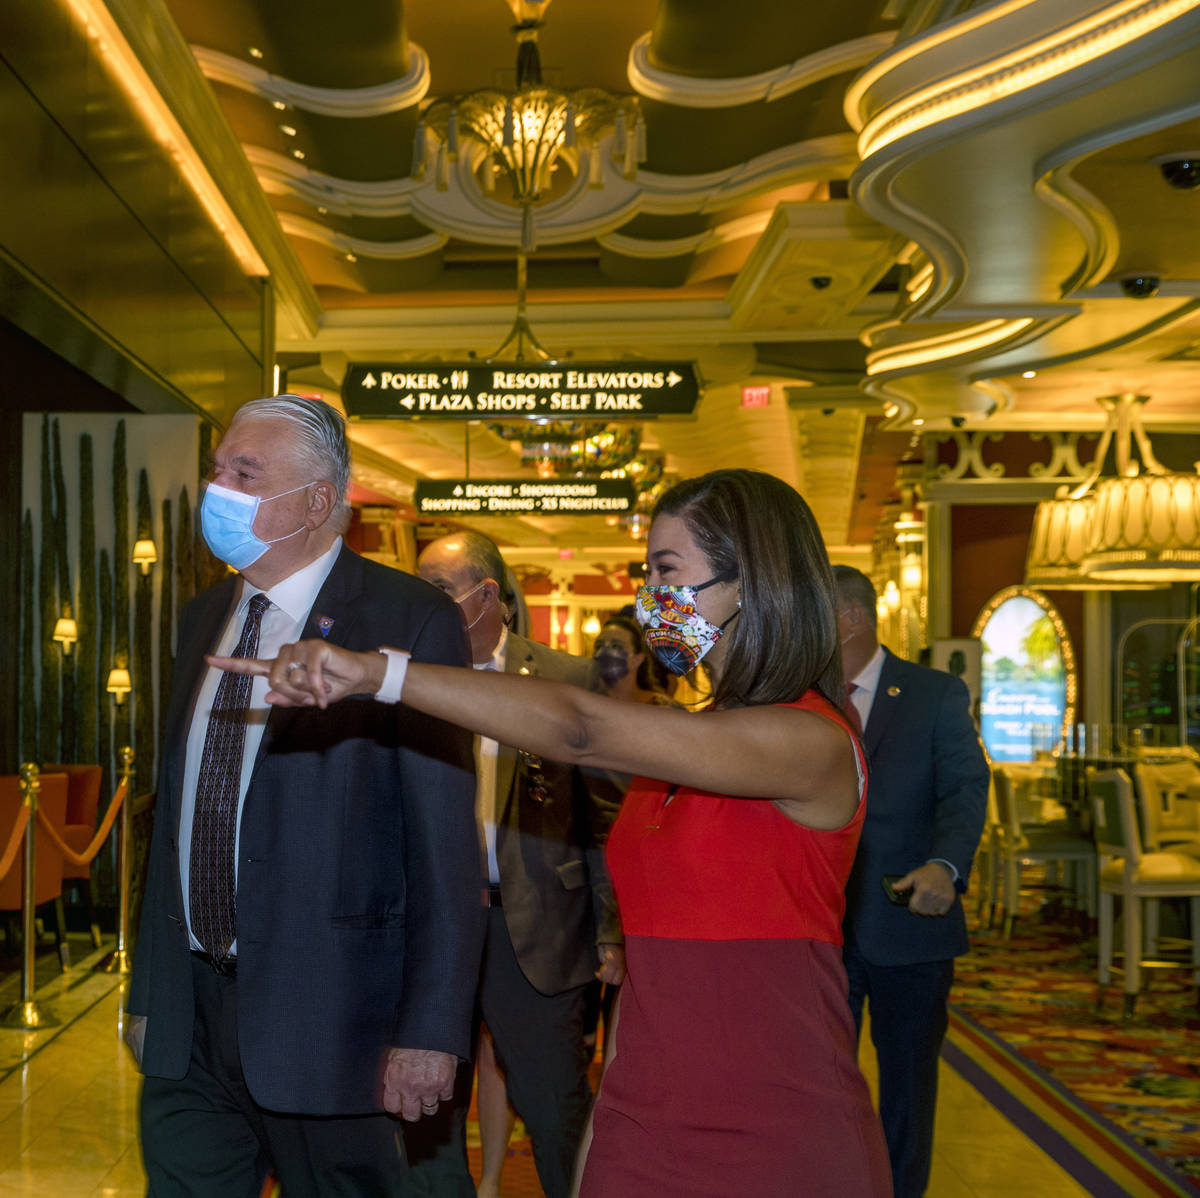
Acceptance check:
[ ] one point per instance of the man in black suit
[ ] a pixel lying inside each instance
(552, 922)
(926, 803)
(311, 929)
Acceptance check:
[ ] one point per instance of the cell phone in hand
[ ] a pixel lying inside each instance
(898, 898)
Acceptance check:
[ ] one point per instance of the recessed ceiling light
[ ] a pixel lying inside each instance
(298, 154)
(918, 422)
(254, 52)
(322, 211)
(279, 104)
(1029, 374)
(287, 130)
(351, 257)
(890, 410)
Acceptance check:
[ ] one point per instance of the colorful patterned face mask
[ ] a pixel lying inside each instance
(676, 633)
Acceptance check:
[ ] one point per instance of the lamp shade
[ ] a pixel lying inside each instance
(1057, 544)
(145, 553)
(1145, 529)
(119, 683)
(66, 632)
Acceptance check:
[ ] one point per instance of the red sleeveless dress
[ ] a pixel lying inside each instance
(734, 1073)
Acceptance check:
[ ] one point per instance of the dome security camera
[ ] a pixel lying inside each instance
(1140, 286)
(1181, 170)
(958, 421)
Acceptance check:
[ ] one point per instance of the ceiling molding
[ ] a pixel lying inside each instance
(692, 91)
(350, 102)
(310, 230)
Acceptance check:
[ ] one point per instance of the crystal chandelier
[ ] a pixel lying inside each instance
(560, 447)
(1140, 528)
(526, 134)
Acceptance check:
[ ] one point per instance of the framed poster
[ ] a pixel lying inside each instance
(961, 656)
(1027, 670)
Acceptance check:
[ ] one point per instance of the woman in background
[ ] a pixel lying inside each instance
(732, 1068)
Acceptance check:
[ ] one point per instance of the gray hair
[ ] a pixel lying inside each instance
(320, 430)
(484, 560)
(854, 587)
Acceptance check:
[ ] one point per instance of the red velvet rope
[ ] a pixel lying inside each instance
(84, 858)
(18, 834)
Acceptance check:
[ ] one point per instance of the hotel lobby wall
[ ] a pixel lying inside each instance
(167, 448)
(988, 544)
(106, 256)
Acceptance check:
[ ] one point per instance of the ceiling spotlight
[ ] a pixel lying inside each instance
(1029, 374)
(1181, 170)
(918, 422)
(254, 52)
(1141, 286)
(298, 154)
(287, 130)
(351, 257)
(279, 105)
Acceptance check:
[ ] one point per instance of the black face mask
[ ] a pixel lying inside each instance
(612, 664)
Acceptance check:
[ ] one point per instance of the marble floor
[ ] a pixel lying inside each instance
(68, 1111)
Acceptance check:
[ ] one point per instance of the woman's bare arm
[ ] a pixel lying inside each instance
(800, 759)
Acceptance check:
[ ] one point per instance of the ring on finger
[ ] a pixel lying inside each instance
(296, 665)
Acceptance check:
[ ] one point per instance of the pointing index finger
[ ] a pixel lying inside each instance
(254, 666)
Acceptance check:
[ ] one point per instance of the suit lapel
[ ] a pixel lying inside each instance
(332, 616)
(211, 614)
(884, 705)
(517, 660)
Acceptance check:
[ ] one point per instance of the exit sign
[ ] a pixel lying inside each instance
(756, 397)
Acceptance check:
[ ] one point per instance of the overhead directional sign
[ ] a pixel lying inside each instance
(518, 496)
(503, 390)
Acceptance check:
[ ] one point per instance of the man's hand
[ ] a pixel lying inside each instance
(415, 1080)
(135, 1036)
(932, 889)
(612, 963)
(310, 673)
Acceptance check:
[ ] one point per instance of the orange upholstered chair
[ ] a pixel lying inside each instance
(83, 804)
(48, 865)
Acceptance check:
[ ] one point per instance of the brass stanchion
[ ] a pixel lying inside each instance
(119, 960)
(27, 1014)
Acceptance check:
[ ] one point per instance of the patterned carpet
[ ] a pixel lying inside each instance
(1026, 1014)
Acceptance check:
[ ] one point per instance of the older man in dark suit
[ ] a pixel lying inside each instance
(311, 929)
(926, 802)
(552, 921)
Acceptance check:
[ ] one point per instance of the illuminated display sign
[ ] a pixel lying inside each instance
(481, 391)
(524, 497)
(1027, 675)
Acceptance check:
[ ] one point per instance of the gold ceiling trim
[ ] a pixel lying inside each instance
(940, 348)
(1065, 49)
(691, 91)
(350, 102)
(388, 251)
(126, 70)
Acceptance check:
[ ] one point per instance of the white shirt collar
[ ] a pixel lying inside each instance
(498, 658)
(867, 678)
(296, 594)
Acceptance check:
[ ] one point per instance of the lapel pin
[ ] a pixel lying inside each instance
(324, 624)
(893, 691)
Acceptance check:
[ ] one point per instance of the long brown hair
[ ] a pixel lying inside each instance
(755, 527)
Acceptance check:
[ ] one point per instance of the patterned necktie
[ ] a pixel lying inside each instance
(214, 823)
(851, 712)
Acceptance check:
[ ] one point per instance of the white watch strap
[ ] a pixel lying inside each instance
(393, 677)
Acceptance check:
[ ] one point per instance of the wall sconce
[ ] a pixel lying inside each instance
(66, 633)
(891, 595)
(910, 572)
(591, 626)
(119, 684)
(145, 554)
(882, 611)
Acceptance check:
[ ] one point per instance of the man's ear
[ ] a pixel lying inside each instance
(322, 500)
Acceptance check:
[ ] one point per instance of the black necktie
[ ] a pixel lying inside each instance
(214, 822)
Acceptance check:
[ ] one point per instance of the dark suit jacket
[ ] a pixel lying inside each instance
(558, 900)
(926, 797)
(358, 914)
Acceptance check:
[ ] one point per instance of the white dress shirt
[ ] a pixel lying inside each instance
(282, 623)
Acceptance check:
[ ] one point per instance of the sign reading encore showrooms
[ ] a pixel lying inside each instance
(507, 497)
(500, 390)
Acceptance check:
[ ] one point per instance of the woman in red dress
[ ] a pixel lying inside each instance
(732, 1072)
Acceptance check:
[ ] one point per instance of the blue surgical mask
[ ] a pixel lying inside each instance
(227, 520)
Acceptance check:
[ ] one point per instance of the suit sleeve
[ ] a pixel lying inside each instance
(443, 913)
(960, 774)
